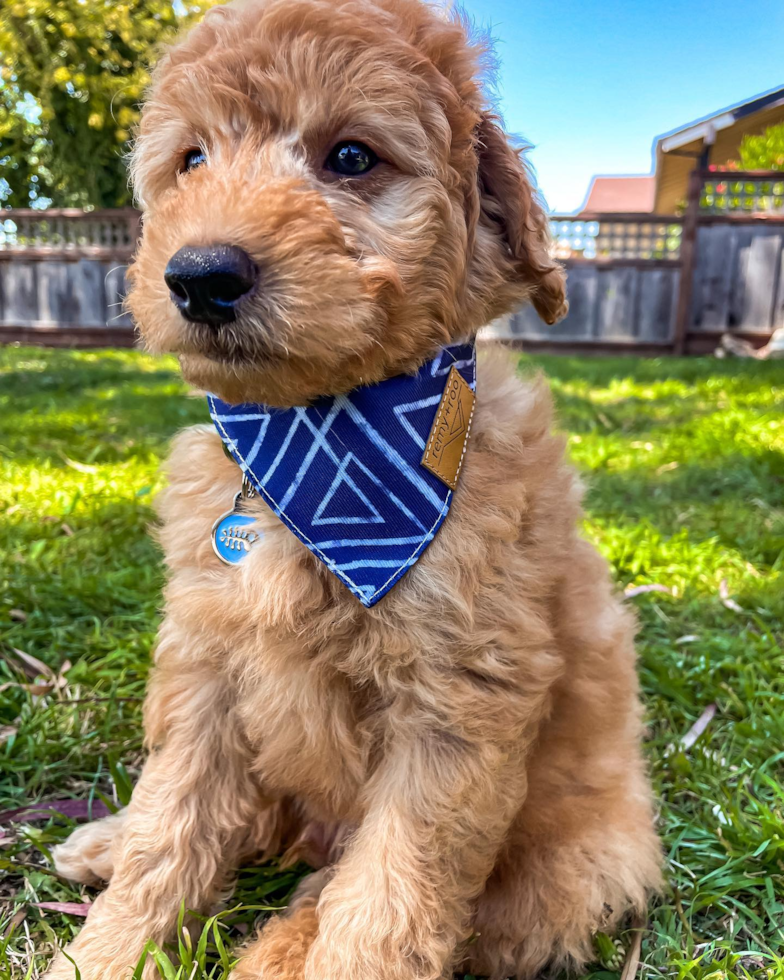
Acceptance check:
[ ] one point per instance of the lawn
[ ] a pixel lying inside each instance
(684, 464)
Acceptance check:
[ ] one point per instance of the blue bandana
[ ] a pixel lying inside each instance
(345, 474)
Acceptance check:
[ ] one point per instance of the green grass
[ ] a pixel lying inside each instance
(684, 463)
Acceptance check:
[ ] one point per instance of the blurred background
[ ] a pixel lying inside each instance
(657, 132)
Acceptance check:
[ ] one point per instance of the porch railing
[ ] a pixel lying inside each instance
(69, 233)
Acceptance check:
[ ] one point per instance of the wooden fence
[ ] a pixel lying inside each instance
(62, 276)
(670, 284)
(640, 282)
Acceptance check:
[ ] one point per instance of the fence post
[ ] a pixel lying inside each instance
(688, 261)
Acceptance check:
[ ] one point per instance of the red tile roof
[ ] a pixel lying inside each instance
(621, 194)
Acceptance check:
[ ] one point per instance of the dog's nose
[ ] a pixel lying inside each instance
(207, 282)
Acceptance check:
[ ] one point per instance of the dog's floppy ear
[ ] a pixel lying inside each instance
(509, 201)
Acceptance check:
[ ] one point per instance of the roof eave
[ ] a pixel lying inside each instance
(704, 131)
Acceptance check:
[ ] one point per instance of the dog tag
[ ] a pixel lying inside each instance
(232, 537)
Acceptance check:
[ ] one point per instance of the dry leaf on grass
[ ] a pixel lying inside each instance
(35, 689)
(632, 963)
(726, 601)
(16, 919)
(698, 727)
(632, 590)
(69, 908)
(30, 663)
(76, 465)
(32, 667)
(73, 809)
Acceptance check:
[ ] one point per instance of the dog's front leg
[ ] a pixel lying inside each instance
(438, 809)
(189, 815)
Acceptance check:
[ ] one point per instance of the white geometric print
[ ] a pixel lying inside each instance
(402, 410)
(343, 480)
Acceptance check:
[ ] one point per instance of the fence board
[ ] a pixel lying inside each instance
(741, 244)
(617, 302)
(582, 287)
(658, 300)
(19, 291)
(92, 293)
(716, 255)
(58, 301)
(764, 257)
(778, 306)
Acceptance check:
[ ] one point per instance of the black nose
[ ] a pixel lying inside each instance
(207, 282)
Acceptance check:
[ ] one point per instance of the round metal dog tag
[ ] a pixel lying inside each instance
(232, 537)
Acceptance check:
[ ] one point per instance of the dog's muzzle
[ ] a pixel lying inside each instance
(206, 283)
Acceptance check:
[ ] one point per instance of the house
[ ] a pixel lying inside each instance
(631, 194)
(712, 140)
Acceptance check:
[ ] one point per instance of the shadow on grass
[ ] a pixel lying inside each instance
(79, 379)
(94, 408)
(100, 580)
(735, 477)
(734, 505)
(115, 428)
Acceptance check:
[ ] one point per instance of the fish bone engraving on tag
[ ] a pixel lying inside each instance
(236, 538)
(233, 538)
(448, 438)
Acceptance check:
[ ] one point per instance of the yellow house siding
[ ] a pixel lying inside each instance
(672, 171)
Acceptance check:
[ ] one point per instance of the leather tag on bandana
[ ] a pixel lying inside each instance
(447, 441)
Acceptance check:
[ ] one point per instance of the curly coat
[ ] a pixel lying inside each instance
(463, 759)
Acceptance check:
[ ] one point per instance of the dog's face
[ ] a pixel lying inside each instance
(326, 203)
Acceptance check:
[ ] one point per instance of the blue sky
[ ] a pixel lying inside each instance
(592, 82)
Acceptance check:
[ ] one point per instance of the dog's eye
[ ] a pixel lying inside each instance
(192, 159)
(351, 159)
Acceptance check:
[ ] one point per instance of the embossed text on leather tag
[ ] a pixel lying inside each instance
(448, 438)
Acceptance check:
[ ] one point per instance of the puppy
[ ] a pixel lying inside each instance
(328, 204)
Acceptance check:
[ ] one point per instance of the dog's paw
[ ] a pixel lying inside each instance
(309, 890)
(280, 950)
(87, 854)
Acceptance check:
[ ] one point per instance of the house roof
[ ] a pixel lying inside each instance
(677, 152)
(629, 194)
(710, 124)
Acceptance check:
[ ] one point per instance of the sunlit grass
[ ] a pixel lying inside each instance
(684, 466)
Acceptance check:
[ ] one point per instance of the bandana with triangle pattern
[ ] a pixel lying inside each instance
(345, 474)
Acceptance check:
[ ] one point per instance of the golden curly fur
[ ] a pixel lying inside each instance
(463, 758)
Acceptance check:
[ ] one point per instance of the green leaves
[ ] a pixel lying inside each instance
(122, 782)
(73, 75)
(763, 152)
